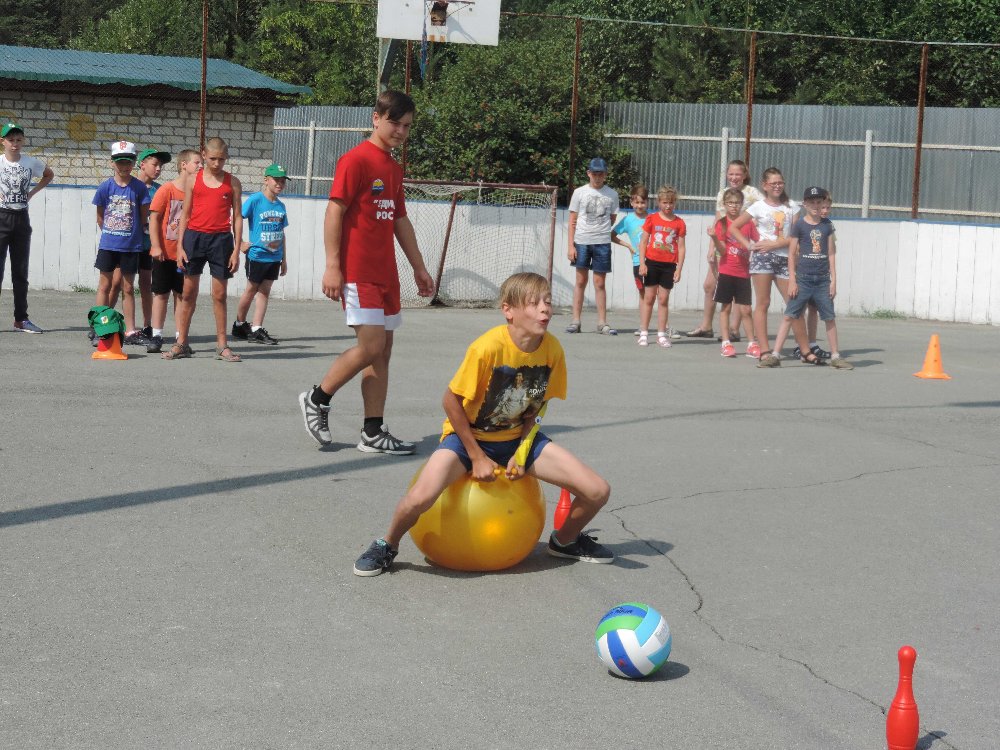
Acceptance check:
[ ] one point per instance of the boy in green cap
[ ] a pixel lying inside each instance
(267, 218)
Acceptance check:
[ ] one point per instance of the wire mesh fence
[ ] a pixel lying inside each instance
(542, 102)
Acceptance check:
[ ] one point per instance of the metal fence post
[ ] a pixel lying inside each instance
(921, 98)
(724, 155)
(310, 148)
(866, 185)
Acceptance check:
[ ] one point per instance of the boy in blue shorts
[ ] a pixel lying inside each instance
(482, 432)
(122, 204)
(812, 276)
(267, 218)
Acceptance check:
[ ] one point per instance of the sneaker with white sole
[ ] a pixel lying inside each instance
(376, 559)
(385, 442)
(728, 350)
(584, 549)
(316, 418)
(672, 334)
(753, 350)
(26, 326)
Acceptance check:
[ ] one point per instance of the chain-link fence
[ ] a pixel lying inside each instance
(893, 128)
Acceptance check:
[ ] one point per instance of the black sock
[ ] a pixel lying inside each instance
(373, 426)
(320, 397)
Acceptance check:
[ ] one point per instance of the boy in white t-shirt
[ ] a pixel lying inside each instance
(592, 213)
(16, 173)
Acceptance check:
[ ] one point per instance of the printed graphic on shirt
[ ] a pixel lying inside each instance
(596, 206)
(174, 218)
(665, 241)
(118, 216)
(272, 235)
(14, 183)
(377, 186)
(385, 209)
(510, 394)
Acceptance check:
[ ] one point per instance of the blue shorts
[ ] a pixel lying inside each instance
(815, 289)
(212, 248)
(501, 452)
(596, 258)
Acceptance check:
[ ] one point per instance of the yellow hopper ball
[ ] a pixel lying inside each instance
(481, 526)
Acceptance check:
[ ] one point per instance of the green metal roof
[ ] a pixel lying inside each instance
(102, 68)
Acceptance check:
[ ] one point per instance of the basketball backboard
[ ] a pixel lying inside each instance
(456, 21)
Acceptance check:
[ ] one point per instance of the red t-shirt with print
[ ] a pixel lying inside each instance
(370, 183)
(663, 235)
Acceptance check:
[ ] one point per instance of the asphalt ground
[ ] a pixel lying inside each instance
(176, 553)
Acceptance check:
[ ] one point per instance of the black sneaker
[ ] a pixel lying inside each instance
(376, 560)
(316, 418)
(384, 442)
(92, 335)
(584, 549)
(136, 339)
(241, 331)
(155, 345)
(821, 353)
(147, 332)
(796, 353)
(261, 336)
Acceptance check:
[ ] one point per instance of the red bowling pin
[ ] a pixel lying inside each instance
(902, 722)
(562, 510)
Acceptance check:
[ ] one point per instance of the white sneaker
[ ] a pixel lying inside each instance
(316, 418)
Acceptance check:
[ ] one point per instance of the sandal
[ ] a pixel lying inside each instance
(178, 351)
(699, 333)
(231, 357)
(573, 327)
(812, 359)
(663, 341)
(643, 340)
(768, 360)
(606, 330)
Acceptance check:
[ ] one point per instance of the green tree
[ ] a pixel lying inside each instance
(502, 114)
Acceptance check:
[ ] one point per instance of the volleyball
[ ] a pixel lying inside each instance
(633, 640)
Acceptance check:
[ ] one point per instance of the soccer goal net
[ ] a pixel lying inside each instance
(473, 235)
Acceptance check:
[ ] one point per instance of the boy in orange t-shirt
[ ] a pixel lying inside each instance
(661, 258)
(164, 221)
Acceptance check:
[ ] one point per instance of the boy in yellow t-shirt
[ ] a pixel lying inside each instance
(507, 376)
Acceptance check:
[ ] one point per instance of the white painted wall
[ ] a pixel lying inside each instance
(920, 269)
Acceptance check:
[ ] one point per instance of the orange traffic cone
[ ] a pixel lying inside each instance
(932, 362)
(109, 347)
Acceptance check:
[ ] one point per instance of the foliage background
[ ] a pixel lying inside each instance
(503, 113)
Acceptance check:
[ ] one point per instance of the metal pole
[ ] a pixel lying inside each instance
(310, 151)
(409, 57)
(921, 97)
(553, 203)
(576, 103)
(751, 80)
(866, 186)
(723, 156)
(204, 73)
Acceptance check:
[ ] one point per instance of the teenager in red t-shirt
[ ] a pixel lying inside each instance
(366, 211)
(661, 257)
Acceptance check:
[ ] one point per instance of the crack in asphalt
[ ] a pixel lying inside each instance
(922, 744)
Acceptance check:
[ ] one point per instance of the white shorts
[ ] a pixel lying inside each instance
(367, 304)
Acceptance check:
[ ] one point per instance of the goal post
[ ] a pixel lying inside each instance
(473, 235)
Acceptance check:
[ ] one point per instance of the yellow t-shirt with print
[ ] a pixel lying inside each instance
(498, 383)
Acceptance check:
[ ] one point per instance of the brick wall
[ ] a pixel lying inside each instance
(72, 133)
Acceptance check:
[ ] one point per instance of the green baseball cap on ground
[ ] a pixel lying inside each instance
(276, 170)
(106, 320)
(10, 126)
(163, 156)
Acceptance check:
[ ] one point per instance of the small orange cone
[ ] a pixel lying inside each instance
(562, 510)
(932, 362)
(109, 347)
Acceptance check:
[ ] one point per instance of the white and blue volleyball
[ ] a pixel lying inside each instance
(633, 640)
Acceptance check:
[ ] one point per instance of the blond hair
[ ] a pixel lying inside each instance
(187, 155)
(523, 289)
(667, 191)
(216, 144)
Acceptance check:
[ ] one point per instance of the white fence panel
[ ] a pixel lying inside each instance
(924, 270)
